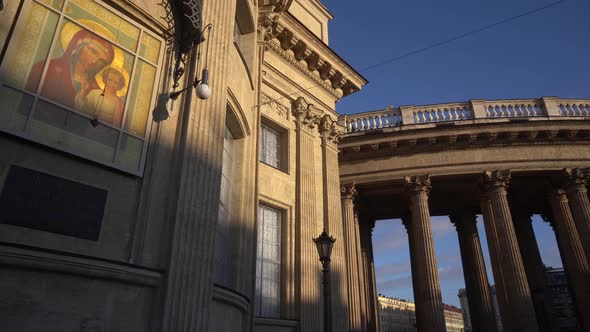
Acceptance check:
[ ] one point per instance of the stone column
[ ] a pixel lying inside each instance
(516, 305)
(576, 182)
(199, 151)
(534, 268)
(352, 260)
(481, 310)
(333, 223)
(372, 316)
(427, 294)
(307, 267)
(575, 264)
(361, 271)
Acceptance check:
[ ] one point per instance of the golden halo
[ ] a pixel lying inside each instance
(123, 90)
(70, 29)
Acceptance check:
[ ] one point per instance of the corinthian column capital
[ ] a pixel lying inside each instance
(306, 115)
(418, 184)
(348, 191)
(497, 179)
(575, 178)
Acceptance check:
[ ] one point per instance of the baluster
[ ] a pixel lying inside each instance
(586, 110)
(577, 111)
(497, 112)
(531, 110)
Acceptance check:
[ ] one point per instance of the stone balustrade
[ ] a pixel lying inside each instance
(473, 110)
(442, 112)
(388, 117)
(514, 108)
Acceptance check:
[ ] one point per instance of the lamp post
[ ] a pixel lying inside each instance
(324, 244)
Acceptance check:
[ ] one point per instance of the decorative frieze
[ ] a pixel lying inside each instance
(271, 105)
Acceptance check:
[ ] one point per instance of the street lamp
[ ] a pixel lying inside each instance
(324, 244)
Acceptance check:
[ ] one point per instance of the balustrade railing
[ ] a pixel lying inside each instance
(472, 110)
(574, 108)
(373, 120)
(441, 113)
(514, 108)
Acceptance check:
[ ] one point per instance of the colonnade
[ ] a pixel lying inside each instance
(516, 263)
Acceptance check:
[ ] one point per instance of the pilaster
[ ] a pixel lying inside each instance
(575, 182)
(199, 150)
(513, 292)
(476, 280)
(308, 267)
(329, 132)
(429, 309)
(575, 264)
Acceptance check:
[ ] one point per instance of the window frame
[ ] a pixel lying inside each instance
(282, 213)
(19, 22)
(283, 141)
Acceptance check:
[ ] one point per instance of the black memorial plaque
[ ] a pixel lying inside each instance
(45, 202)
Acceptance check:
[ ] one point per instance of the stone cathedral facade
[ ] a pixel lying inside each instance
(116, 218)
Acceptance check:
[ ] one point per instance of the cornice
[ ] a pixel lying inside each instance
(274, 46)
(282, 33)
(411, 142)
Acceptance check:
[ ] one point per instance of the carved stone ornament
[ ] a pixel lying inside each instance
(271, 105)
(330, 130)
(418, 184)
(348, 191)
(267, 26)
(306, 115)
(575, 177)
(496, 179)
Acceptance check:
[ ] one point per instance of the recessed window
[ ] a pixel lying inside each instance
(268, 262)
(273, 145)
(80, 77)
(270, 148)
(221, 273)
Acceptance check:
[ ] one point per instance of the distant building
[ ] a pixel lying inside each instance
(396, 315)
(453, 318)
(399, 315)
(562, 305)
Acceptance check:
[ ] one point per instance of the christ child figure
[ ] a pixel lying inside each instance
(105, 104)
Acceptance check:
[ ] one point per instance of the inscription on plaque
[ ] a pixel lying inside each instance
(45, 202)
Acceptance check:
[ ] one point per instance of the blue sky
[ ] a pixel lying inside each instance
(543, 54)
(392, 256)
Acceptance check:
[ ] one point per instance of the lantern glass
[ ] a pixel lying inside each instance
(324, 244)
